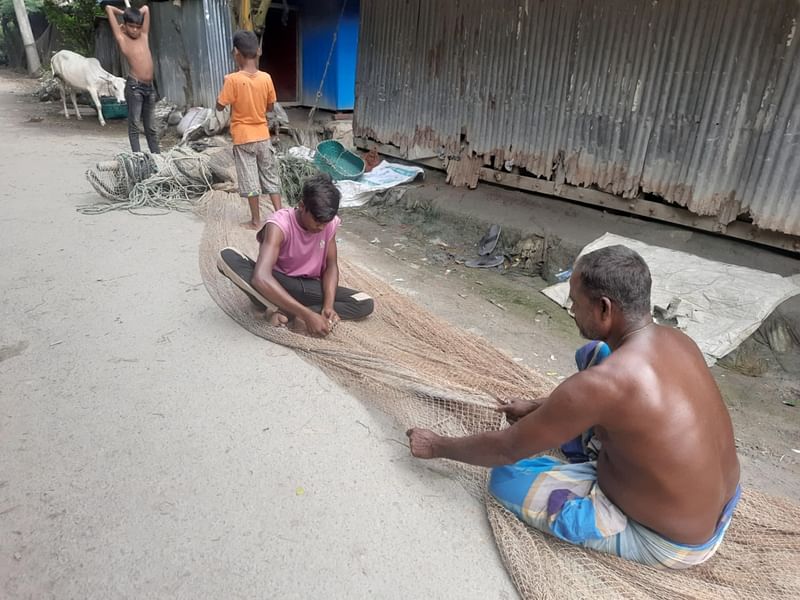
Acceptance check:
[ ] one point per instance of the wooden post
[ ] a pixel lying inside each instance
(24, 25)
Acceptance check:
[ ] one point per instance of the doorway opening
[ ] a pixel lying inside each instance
(280, 49)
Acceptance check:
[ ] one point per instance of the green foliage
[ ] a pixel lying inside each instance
(7, 8)
(75, 22)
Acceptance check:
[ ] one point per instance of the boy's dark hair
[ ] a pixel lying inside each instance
(321, 198)
(246, 42)
(620, 274)
(133, 16)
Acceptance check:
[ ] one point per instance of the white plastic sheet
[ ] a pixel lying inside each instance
(720, 306)
(384, 176)
(199, 122)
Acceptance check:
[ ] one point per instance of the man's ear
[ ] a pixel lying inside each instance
(605, 310)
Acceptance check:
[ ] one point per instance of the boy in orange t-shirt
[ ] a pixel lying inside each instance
(250, 94)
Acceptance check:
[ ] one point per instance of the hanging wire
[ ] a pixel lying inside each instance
(327, 65)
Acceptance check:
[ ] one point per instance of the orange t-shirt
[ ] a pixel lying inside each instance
(248, 95)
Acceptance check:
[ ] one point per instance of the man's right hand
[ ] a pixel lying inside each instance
(422, 442)
(316, 324)
(516, 408)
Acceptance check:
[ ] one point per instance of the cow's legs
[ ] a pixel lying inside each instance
(63, 97)
(75, 104)
(96, 100)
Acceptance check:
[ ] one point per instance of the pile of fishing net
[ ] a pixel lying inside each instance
(292, 171)
(178, 179)
(428, 373)
(175, 180)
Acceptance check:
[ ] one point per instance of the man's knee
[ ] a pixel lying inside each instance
(510, 484)
(364, 308)
(358, 306)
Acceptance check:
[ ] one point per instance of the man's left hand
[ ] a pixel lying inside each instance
(517, 408)
(331, 315)
(423, 442)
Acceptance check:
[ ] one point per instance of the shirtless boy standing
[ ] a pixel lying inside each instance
(140, 93)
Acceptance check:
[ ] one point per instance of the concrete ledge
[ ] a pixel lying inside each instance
(640, 207)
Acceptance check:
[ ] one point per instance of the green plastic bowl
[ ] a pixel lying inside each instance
(113, 109)
(337, 161)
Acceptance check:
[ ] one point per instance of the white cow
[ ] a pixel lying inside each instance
(77, 72)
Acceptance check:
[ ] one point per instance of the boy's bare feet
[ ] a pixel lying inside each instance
(276, 318)
(297, 326)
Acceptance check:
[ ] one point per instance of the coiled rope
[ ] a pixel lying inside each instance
(173, 181)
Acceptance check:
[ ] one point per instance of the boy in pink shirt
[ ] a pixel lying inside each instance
(297, 269)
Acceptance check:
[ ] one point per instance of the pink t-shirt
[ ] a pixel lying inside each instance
(302, 252)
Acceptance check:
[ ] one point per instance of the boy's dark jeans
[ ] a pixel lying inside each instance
(308, 292)
(141, 98)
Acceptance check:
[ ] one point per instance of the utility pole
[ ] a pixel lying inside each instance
(27, 36)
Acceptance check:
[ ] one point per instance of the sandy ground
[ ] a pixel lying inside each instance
(158, 450)
(154, 449)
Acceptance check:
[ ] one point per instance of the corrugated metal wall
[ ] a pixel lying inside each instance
(106, 49)
(696, 102)
(191, 47)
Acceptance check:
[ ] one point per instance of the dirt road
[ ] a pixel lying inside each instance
(151, 448)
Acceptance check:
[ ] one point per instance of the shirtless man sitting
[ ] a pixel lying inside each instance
(140, 92)
(654, 477)
(297, 269)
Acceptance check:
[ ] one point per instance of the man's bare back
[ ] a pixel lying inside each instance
(667, 459)
(677, 477)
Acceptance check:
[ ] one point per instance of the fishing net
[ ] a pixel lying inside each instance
(426, 372)
(178, 179)
(115, 179)
(293, 172)
(175, 180)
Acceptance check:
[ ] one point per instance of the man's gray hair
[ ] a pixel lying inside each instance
(620, 274)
